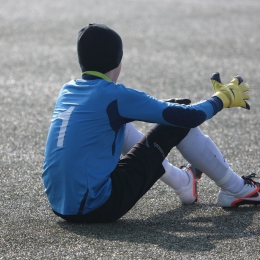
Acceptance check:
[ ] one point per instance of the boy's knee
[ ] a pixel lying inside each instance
(163, 138)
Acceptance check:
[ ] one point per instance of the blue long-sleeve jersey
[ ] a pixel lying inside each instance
(86, 136)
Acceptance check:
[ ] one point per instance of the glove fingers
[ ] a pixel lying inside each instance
(246, 96)
(240, 79)
(216, 77)
(216, 85)
(244, 87)
(216, 81)
(236, 80)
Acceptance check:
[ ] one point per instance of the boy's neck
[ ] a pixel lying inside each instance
(114, 74)
(111, 75)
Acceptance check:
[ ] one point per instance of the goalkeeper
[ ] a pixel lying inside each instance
(86, 181)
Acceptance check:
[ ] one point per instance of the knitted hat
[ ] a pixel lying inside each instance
(99, 48)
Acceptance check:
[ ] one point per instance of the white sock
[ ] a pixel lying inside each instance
(199, 150)
(173, 176)
(132, 136)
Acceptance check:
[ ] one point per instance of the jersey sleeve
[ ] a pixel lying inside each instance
(140, 106)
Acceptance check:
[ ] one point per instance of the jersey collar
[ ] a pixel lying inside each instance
(94, 75)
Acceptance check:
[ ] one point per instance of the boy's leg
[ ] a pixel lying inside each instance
(174, 177)
(140, 168)
(183, 180)
(201, 151)
(135, 174)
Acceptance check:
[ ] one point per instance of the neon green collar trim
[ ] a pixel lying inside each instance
(97, 74)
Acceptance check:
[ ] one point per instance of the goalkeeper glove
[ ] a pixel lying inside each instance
(232, 94)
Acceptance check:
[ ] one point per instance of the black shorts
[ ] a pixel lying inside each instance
(134, 175)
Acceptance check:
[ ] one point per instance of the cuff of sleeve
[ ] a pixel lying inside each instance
(223, 98)
(216, 103)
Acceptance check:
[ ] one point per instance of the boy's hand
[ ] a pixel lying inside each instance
(232, 94)
(184, 101)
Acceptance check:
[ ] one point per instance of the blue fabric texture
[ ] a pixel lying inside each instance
(86, 136)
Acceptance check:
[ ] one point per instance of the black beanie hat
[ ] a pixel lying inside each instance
(99, 48)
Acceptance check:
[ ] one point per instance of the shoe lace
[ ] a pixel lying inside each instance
(248, 179)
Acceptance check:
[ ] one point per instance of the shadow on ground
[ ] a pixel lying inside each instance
(176, 230)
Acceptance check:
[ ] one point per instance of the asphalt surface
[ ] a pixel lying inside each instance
(171, 49)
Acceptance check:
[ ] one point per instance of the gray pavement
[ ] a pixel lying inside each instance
(171, 48)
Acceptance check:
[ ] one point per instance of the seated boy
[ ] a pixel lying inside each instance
(84, 177)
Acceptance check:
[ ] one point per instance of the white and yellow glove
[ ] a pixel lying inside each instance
(233, 94)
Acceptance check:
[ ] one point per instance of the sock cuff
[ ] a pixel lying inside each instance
(225, 178)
